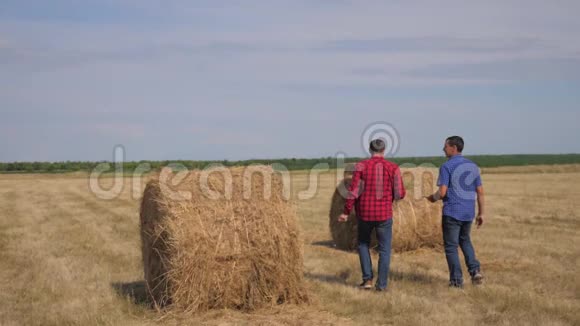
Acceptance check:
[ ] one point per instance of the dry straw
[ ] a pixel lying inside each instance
(241, 253)
(416, 221)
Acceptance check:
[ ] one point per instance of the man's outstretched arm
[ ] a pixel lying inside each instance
(352, 194)
(439, 194)
(443, 183)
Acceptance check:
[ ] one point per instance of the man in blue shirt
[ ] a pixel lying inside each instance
(459, 186)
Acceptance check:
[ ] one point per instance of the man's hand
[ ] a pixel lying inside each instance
(438, 194)
(342, 218)
(479, 221)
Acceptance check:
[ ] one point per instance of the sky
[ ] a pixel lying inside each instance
(212, 80)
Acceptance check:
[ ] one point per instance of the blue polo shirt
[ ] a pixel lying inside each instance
(461, 176)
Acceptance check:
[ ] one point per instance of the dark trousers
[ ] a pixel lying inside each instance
(384, 230)
(456, 233)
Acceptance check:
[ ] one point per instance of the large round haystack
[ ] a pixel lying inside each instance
(344, 235)
(216, 241)
(416, 221)
(416, 224)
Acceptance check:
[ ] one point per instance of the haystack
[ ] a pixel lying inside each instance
(416, 221)
(224, 243)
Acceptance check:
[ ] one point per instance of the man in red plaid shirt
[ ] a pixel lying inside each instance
(376, 182)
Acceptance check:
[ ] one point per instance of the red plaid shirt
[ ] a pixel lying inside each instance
(376, 182)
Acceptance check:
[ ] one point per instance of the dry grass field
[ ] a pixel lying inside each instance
(69, 258)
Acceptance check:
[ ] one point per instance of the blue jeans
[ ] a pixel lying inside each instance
(384, 230)
(456, 233)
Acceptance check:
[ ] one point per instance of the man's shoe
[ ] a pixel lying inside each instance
(455, 284)
(379, 290)
(477, 278)
(366, 285)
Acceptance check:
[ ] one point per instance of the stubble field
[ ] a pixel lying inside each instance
(69, 258)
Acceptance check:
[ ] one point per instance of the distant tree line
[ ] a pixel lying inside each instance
(289, 163)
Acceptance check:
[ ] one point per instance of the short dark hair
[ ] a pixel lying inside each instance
(455, 141)
(377, 146)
